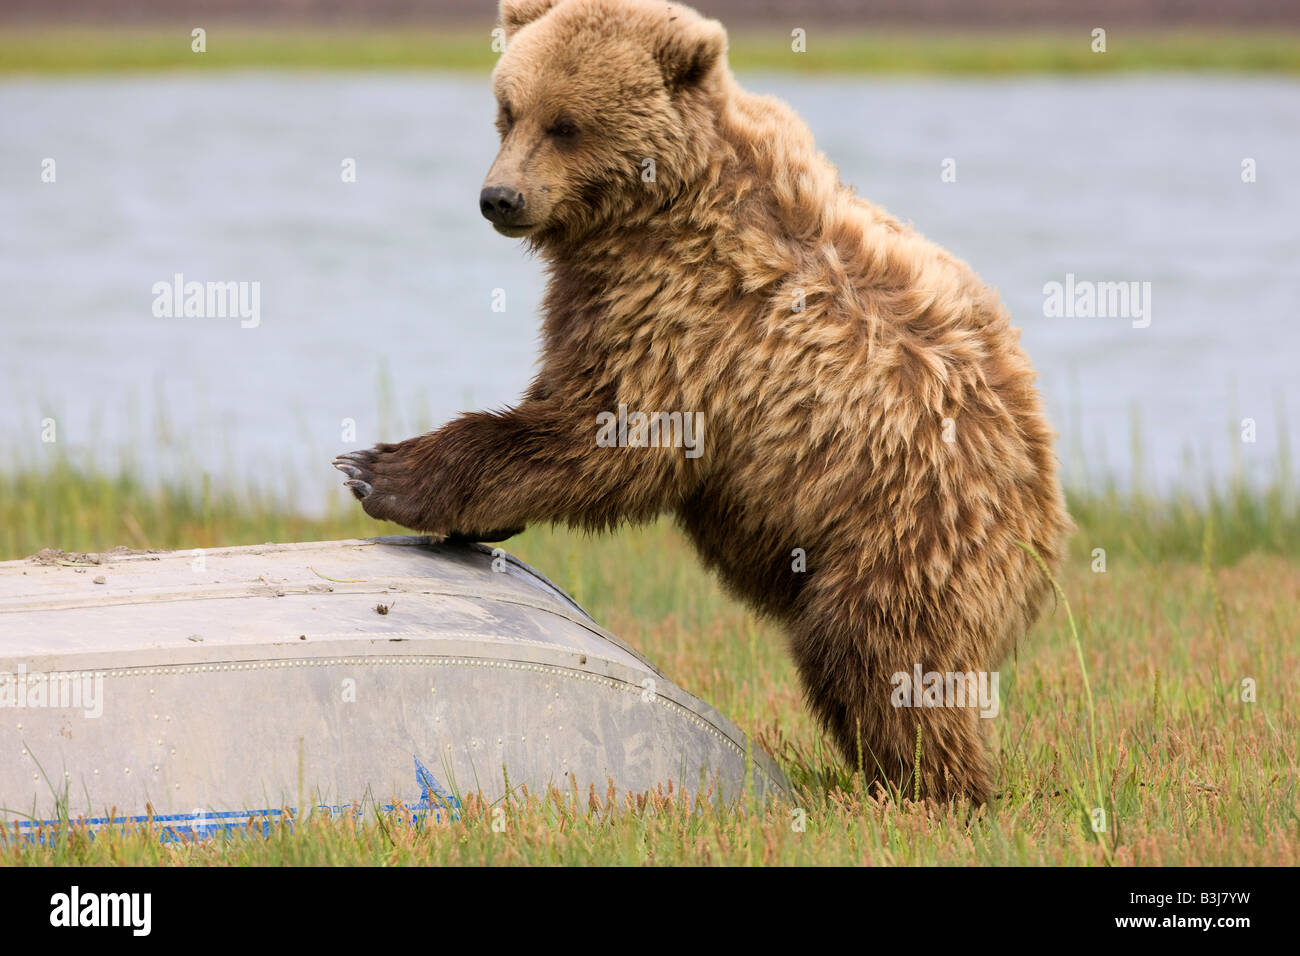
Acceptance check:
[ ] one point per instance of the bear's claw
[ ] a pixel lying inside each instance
(361, 458)
(356, 465)
(360, 489)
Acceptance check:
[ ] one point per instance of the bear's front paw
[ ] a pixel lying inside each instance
(390, 487)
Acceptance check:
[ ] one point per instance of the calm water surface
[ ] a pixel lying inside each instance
(376, 296)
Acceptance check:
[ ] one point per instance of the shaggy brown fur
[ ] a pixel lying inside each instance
(824, 426)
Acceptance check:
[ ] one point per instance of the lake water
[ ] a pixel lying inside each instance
(376, 296)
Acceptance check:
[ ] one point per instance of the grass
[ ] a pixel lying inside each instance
(57, 50)
(1198, 595)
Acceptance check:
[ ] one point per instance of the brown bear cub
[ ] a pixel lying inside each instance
(869, 449)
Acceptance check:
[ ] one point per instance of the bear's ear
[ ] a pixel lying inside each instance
(689, 48)
(519, 13)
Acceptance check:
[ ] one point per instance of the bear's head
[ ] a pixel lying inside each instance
(603, 106)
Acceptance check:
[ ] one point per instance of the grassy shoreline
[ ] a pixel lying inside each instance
(79, 50)
(85, 508)
(1195, 599)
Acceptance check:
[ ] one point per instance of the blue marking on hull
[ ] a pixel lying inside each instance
(181, 827)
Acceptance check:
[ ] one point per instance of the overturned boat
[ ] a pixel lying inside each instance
(203, 689)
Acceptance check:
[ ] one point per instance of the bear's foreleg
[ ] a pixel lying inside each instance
(486, 475)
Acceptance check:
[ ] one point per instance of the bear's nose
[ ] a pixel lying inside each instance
(501, 204)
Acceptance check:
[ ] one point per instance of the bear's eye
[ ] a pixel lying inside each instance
(563, 129)
(505, 117)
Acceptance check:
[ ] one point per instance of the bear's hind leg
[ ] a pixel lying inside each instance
(849, 684)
